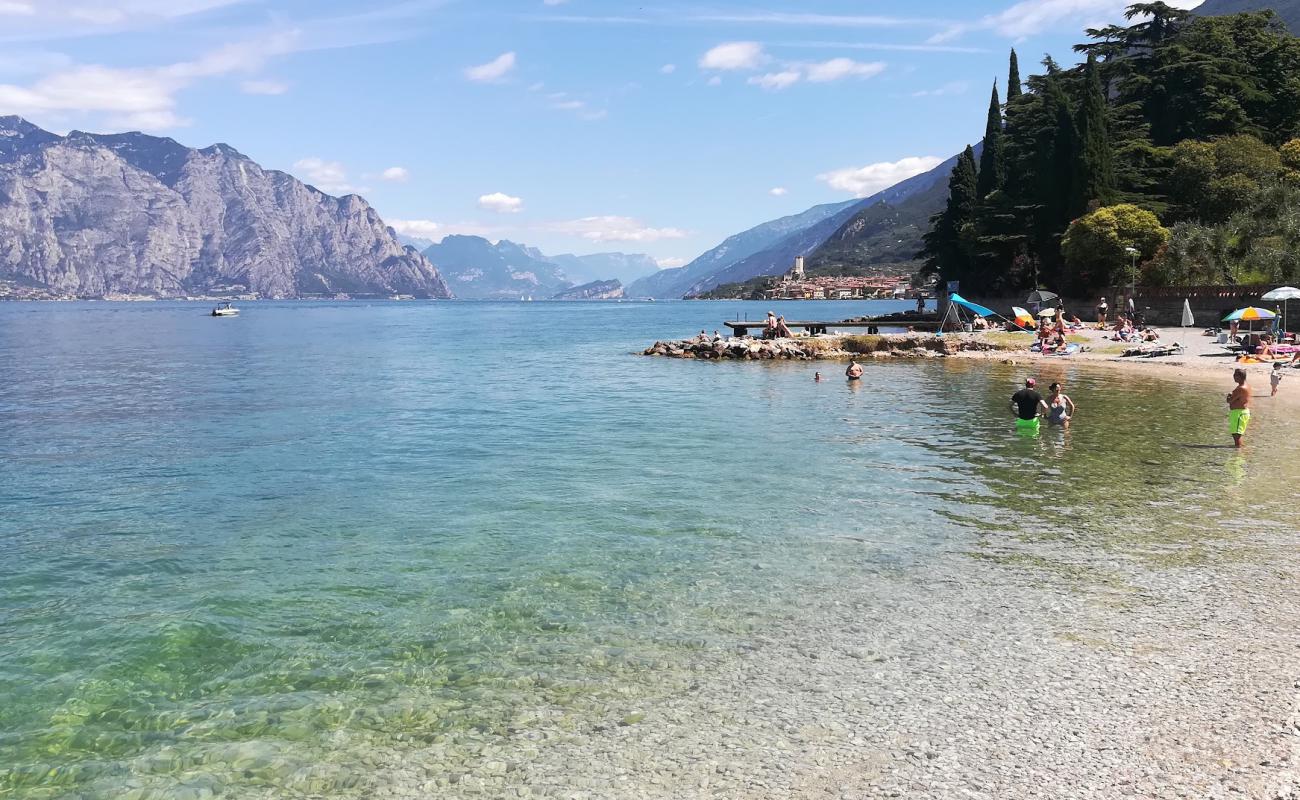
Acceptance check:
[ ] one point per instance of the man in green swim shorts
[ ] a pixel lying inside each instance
(1239, 407)
(1028, 406)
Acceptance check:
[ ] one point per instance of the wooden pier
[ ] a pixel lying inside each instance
(926, 323)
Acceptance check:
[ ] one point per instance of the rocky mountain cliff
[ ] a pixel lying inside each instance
(91, 215)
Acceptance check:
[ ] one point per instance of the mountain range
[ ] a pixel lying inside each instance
(878, 232)
(477, 269)
(90, 215)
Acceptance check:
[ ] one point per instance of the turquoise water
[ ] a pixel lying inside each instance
(271, 554)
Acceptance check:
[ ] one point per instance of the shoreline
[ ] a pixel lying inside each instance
(1202, 363)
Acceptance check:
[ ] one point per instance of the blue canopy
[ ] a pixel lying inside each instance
(976, 307)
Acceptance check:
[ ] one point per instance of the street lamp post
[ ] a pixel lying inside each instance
(1132, 278)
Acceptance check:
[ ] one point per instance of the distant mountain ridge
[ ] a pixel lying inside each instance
(91, 215)
(679, 281)
(478, 269)
(1287, 10)
(884, 228)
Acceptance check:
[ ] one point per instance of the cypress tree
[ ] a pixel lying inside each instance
(947, 251)
(1094, 168)
(992, 170)
(1013, 79)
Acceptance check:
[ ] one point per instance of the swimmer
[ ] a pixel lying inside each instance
(854, 372)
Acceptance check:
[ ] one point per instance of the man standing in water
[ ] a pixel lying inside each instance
(1028, 406)
(854, 372)
(1239, 407)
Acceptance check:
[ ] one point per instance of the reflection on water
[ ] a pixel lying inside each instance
(269, 558)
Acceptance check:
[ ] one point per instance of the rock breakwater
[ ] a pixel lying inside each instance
(819, 348)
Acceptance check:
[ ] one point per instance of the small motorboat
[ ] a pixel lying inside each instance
(225, 310)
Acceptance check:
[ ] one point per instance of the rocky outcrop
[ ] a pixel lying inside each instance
(92, 215)
(596, 290)
(822, 348)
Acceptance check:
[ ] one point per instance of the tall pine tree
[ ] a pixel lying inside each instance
(992, 173)
(1094, 169)
(1013, 79)
(947, 250)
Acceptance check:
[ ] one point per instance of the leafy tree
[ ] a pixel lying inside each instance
(1096, 245)
(1209, 181)
(991, 173)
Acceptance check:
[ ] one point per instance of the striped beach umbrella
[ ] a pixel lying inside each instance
(1022, 317)
(1249, 314)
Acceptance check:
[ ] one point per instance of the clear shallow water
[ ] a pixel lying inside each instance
(273, 553)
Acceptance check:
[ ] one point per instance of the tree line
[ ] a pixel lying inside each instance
(1168, 156)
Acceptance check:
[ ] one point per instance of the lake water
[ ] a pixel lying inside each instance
(275, 555)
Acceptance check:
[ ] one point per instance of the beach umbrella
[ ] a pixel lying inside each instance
(1249, 314)
(1188, 319)
(1047, 312)
(1022, 317)
(1285, 294)
(1041, 296)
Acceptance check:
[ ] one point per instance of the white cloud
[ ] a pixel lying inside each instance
(419, 228)
(716, 80)
(16, 8)
(776, 81)
(143, 97)
(670, 262)
(817, 72)
(329, 176)
(492, 71)
(866, 181)
(839, 68)
(778, 191)
(397, 174)
(264, 87)
(554, 2)
(501, 203)
(734, 56)
(614, 229)
(668, 69)
(956, 87)
(435, 231)
(561, 101)
(809, 20)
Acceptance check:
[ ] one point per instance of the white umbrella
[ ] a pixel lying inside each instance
(1188, 319)
(1047, 312)
(1285, 294)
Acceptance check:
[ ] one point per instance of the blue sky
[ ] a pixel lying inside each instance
(573, 125)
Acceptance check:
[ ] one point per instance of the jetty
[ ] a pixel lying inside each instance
(926, 323)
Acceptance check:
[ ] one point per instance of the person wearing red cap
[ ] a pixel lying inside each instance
(1028, 406)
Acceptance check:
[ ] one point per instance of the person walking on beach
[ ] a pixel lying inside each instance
(854, 372)
(1239, 407)
(1275, 378)
(1102, 308)
(1060, 408)
(1028, 406)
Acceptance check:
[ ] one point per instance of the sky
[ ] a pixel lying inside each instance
(576, 126)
